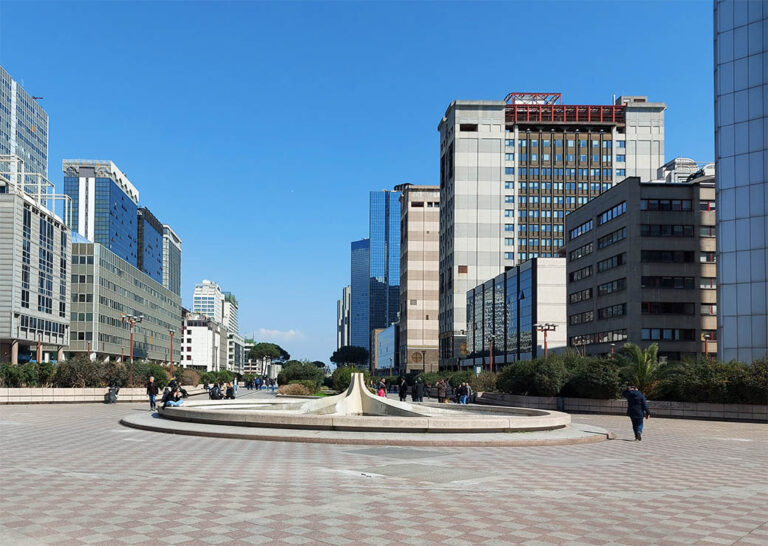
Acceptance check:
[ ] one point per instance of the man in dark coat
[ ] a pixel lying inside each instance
(152, 392)
(637, 409)
(441, 391)
(417, 394)
(403, 389)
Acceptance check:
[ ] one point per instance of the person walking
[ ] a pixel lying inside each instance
(637, 409)
(152, 392)
(462, 392)
(417, 394)
(441, 391)
(403, 389)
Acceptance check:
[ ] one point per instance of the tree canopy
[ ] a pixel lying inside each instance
(272, 351)
(350, 354)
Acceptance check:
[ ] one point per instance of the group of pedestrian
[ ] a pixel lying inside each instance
(464, 393)
(173, 395)
(260, 383)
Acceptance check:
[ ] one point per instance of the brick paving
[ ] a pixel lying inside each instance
(72, 475)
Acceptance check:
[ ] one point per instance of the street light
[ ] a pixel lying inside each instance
(132, 320)
(613, 348)
(707, 338)
(423, 361)
(172, 332)
(545, 327)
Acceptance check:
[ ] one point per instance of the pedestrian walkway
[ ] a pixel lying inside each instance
(74, 475)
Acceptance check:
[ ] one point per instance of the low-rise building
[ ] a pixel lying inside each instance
(507, 315)
(641, 268)
(204, 344)
(108, 294)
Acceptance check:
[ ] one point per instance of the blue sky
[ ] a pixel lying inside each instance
(257, 129)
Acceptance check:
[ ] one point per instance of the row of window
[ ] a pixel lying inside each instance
(667, 308)
(547, 172)
(557, 243)
(567, 186)
(665, 205)
(611, 213)
(610, 336)
(558, 143)
(578, 231)
(612, 262)
(666, 230)
(612, 238)
(580, 252)
(580, 274)
(535, 228)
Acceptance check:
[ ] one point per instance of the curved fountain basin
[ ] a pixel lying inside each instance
(359, 410)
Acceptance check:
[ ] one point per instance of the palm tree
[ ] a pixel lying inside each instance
(641, 366)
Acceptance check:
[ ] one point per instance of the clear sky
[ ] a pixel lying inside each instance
(257, 129)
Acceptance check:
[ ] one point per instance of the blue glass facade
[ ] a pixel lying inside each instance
(150, 244)
(360, 292)
(384, 232)
(115, 217)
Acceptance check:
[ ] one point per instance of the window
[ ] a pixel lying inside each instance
(559, 142)
(708, 257)
(509, 198)
(621, 172)
(621, 143)
(580, 318)
(612, 238)
(601, 337)
(582, 144)
(509, 142)
(707, 231)
(612, 311)
(581, 295)
(607, 144)
(523, 143)
(468, 127)
(559, 157)
(534, 143)
(417, 204)
(707, 205)
(666, 230)
(677, 283)
(620, 158)
(510, 170)
(667, 334)
(667, 308)
(463, 268)
(509, 256)
(571, 143)
(580, 274)
(583, 158)
(709, 309)
(580, 252)
(666, 256)
(509, 213)
(613, 286)
(509, 227)
(534, 157)
(509, 241)
(544, 157)
(612, 262)
(509, 185)
(666, 205)
(612, 213)
(581, 230)
(708, 283)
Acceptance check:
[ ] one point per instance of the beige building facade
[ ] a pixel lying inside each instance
(419, 277)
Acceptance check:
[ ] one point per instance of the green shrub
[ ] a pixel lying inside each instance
(45, 373)
(457, 378)
(516, 378)
(549, 376)
(343, 376)
(295, 370)
(484, 382)
(310, 385)
(78, 372)
(190, 377)
(10, 375)
(594, 378)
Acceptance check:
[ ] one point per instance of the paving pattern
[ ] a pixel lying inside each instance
(72, 475)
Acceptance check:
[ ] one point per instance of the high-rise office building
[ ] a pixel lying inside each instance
(230, 317)
(35, 249)
(384, 259)
(23, 127)
(104, 205)
(342, 318)
(208, 300)
(359, 329)
(509, 172)
(171, 260)
(641, 268)
(741, 154)
(150, 244)
(419, 261)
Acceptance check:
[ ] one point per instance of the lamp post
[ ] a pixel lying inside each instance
(423, 361)
(172, 333)
(132, 320)
(706, 337)
(613, 348)
(491, 339)
(545, 327)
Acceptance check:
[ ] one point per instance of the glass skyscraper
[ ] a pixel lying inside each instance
(104, 206)
(150, 244)
(360, 293)
(384, 234)
(741, 152)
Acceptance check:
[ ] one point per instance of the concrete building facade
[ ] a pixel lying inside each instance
(35, 246)
(171, 260)
(204, 343)
(106, 292)
(503, 313)
(509, 173)
(741, 154)
(642, 269)
(342, 318)
(208, 300)
(419, 290)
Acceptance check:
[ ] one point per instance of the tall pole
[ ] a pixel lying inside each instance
(171, 332)
(545, 344)
(491, 363)
(130, 372)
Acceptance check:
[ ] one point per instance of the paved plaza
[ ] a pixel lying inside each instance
(72, 475)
